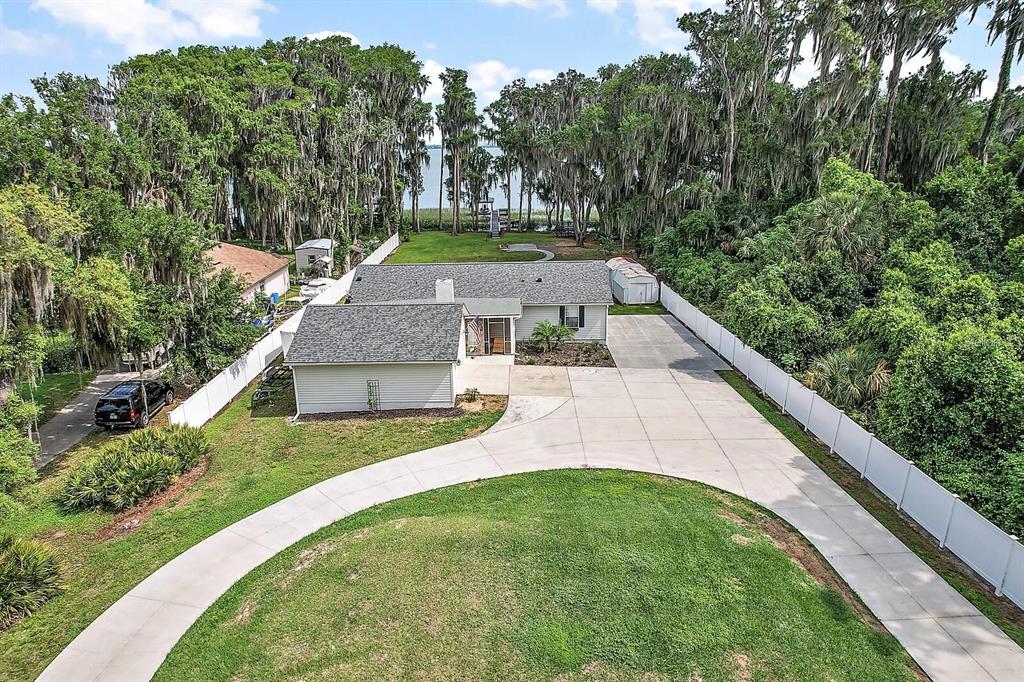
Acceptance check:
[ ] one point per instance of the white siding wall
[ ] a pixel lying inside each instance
(342, 388)
(276, 283)
(634, 290)
(596, 319)
(302, 257)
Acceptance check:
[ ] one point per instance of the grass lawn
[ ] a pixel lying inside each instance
(55, 390)
(555, 575)
(256, 460)
(999, 610)
(444, 247)
(645, 309)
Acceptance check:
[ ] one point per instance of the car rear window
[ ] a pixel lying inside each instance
(116, 403)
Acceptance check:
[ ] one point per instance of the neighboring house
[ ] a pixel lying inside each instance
(632, 284)
(504, 301)
(351, 358)
(259, 271)
(316, 255)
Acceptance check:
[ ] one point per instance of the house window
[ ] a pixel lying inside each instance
(263, 287)
(311, 258)
(572, 316)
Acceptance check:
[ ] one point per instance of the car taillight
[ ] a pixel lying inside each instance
(131, 415)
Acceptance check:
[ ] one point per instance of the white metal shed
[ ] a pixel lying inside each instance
(631, 283)
(316, 254)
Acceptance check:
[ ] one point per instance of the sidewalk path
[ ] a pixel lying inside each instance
(545, 254)
(74, 422)
(682, 423)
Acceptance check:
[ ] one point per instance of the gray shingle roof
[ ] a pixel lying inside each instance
(479, 307)
(533, 283)
(347, 334)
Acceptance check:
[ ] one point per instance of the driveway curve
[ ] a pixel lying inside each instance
(685, 424)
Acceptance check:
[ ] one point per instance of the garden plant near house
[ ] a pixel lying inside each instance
(550, 335)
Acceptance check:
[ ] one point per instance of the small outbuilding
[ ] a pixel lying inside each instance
(316, 255)
(396, 356)
(631, 283)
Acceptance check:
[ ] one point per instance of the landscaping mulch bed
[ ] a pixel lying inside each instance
(484, 403)
(565, 355)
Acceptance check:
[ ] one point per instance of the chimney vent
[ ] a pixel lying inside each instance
(444, 290)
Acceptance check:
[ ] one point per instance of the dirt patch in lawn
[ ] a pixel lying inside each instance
(801, 552)
(129, 520)
(565, 355)
(483, 403)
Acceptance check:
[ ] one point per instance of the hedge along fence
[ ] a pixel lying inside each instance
(222, 389)
(995, 555)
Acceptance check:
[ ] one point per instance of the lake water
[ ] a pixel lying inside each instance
(432, 179)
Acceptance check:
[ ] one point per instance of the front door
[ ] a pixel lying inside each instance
(496, 342)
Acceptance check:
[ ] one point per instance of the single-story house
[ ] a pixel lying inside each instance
(400, 340)
(503, 301)
(259, 271)
(395, 356)
(632, 284)
(316, 255)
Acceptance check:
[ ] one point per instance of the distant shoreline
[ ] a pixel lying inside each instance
(483, 146)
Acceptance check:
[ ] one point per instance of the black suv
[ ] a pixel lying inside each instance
(123, 405)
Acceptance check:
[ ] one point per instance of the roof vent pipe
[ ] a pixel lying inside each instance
(444, 291)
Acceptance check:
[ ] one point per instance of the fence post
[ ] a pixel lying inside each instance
(906, 479)
(767, 363)
(810, 411)
(867, 460)
(835, 436)
(785, 399)
(949, 521)
(1006, 566)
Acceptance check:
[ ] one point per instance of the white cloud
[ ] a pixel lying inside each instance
(807, 69)
(914, 64)
(555, 7)
(142, 26)
(603, 6)
(488, 77)
(225, 18)
(432, 70)
(541, 75)
(320, 35)
(429, 46)
(13, 41)
(656, 21)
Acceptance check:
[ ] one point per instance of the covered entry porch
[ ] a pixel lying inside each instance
(491, 325)
(490, 336)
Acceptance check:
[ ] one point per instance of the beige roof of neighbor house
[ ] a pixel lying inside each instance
(251, 265)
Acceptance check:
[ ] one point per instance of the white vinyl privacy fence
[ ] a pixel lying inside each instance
(995, 555)
(222, 389)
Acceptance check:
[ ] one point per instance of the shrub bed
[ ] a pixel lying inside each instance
(127, 471)
(29, 576)
(564, 355)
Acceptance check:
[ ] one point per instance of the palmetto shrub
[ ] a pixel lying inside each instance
(850, 379)
(185, 444)
(29, 575)
(127, 471)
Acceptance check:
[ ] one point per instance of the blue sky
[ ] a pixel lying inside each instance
(495, 40)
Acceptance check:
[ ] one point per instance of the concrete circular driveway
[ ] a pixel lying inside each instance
(681, 423)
